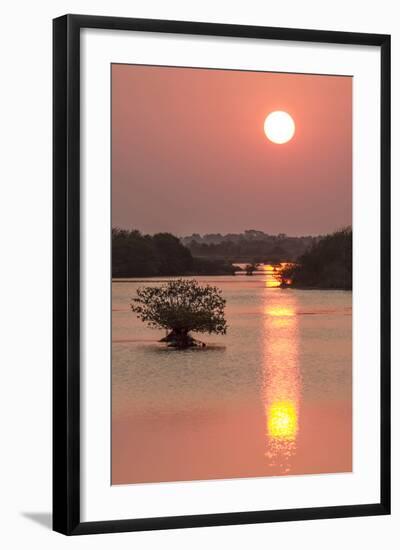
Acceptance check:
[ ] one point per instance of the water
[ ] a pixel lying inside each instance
(272, 397)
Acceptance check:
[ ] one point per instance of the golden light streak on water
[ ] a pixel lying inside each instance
(280, 311)
(281, 382)
(270, 272)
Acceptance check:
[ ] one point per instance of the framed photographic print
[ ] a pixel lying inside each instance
(221, 274)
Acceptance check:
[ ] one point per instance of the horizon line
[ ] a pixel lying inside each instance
(202, 235)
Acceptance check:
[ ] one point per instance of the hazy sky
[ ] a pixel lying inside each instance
(189, 153)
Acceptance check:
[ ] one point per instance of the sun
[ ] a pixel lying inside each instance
(279, 127)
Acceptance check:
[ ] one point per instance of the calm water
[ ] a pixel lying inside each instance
(272, 397)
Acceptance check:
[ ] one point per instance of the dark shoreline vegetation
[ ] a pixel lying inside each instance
(162, 254)
(326, 265)
(323, 262)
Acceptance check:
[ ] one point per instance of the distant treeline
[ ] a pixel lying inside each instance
(326, 265)
(250, 246)
(319, 262)
(162, 254)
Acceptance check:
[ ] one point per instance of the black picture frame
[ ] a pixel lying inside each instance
(66, 272)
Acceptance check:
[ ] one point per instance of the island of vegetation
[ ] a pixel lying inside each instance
(181, 307)
(326, 265)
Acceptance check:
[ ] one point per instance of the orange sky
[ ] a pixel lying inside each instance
(189, 153)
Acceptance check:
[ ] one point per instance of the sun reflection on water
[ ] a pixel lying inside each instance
(280, 311)
(281, 381)
(271, 272)
(282, 420)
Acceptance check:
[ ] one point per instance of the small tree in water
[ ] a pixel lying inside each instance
(250, 268)
(181, 306)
